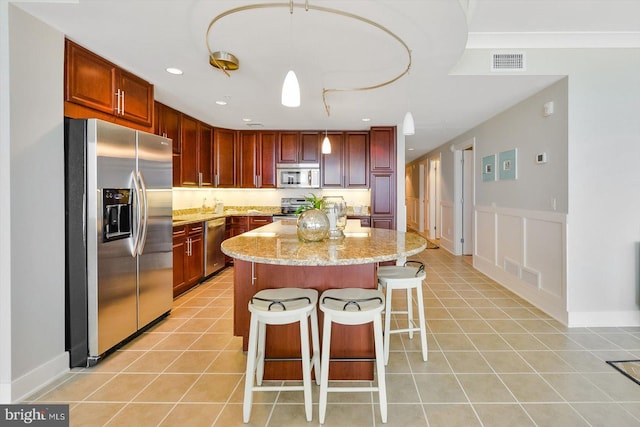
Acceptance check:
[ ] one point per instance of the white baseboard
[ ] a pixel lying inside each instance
(39, 377)
(604, 319)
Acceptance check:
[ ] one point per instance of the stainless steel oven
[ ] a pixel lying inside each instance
(305, 175)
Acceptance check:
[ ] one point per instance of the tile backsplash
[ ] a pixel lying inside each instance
(186, 198)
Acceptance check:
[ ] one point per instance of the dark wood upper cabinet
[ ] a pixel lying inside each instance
(309, 147)
(298, 147)
(167, 123)
(383, 148)
(205, 155)
(256, 159)
(333, 172)
(224, 157)
(96, 84)
(189, 176)
(288, 147)
(356, 159)
(247, 161)
(347, 166)
(267, 164)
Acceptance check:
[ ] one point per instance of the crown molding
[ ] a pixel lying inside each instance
(557, 40)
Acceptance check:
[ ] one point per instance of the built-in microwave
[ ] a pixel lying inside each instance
(298, 175)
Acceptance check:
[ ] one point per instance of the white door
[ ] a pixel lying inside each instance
(467, 202)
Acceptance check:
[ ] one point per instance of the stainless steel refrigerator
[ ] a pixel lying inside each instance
(118, 222)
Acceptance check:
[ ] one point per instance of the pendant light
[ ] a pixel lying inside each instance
(326, 144)
(291, 90)
(408, 126)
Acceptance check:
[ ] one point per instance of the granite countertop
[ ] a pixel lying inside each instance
(189, 216)
(192, 215)
(278, 243)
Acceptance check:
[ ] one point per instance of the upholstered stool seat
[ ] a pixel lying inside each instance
(352, 306)
(280, 307)
(408, 277)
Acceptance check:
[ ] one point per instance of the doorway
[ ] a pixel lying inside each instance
(467, 201)
(433, 200)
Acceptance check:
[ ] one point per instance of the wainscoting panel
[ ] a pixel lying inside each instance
(546, 258)
(525, 251)
(447, 224)
(510, 238)
(485, 226)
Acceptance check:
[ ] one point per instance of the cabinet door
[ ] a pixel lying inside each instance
(356, 160)
(383, 199)
(89, 79)
(309, 147)
(196, 261)
(288, 147)
(247, 159)
(179, 260)
(332, 164)
(189, 156)
(224, 157)
(167, 124)
(205, 154)
(136, 98)
(383, 149)
(267, 159)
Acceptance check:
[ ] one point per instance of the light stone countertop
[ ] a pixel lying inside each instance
(278, 243)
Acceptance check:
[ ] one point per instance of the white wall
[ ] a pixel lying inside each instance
(5, 211)
(36, 199)
(602, 226)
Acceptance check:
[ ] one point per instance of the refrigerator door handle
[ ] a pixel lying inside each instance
(143, 234)
(136, 241)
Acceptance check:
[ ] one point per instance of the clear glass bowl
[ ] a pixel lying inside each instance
(313, 225)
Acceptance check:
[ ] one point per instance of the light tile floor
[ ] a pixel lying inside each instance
(494, 360)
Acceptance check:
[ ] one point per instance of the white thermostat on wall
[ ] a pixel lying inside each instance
(541, 158)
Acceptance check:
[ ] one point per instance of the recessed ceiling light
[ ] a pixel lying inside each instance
(176, 71)
(221, 102)
(246, 119)
(410, 149)
(366, 119)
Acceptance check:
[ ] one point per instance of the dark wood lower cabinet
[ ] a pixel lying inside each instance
(188, 256)
(283, 342)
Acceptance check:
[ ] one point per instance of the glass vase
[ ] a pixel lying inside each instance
(312, 225)
(336, 209)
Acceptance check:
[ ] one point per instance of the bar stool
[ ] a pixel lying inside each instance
(352, 306)
(280, 307)
(409, 278)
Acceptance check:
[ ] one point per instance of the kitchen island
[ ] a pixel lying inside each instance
(273, 257)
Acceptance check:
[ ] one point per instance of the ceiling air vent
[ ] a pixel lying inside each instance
(508, 62)
(255, 125)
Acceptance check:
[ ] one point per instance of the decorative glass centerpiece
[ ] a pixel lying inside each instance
(336, 210)
(313, 223)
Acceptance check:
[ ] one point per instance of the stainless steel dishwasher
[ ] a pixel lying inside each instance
(213, 236)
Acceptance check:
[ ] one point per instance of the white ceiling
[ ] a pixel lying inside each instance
(330, 51)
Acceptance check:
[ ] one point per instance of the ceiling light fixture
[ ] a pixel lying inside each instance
(290, 90)
(291, 5)
(326, 144)
(172, 70)
(408, 126)
(224, 61)
(221, 102)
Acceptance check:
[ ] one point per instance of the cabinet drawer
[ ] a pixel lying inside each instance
(179, 231)
(259, 221)
(196, 229)
(238, 220)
